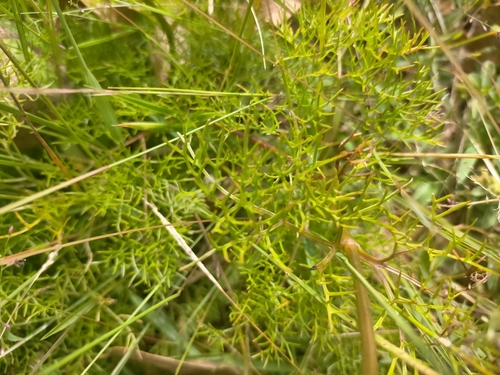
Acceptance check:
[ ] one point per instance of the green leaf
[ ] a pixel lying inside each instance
(72, 317)
(465, 165)
(105, 109)
(12, 337)
(151, 126)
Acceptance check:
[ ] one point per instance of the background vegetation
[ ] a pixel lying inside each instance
(257, 141)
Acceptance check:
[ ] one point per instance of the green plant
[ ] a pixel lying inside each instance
(257, 168)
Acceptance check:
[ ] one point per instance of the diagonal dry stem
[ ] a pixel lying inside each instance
(182, 243)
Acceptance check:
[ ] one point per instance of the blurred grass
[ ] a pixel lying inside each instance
(257, 167)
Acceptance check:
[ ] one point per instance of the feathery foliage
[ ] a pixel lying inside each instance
(258, 160)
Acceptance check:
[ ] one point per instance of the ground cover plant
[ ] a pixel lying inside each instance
(198, 187)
